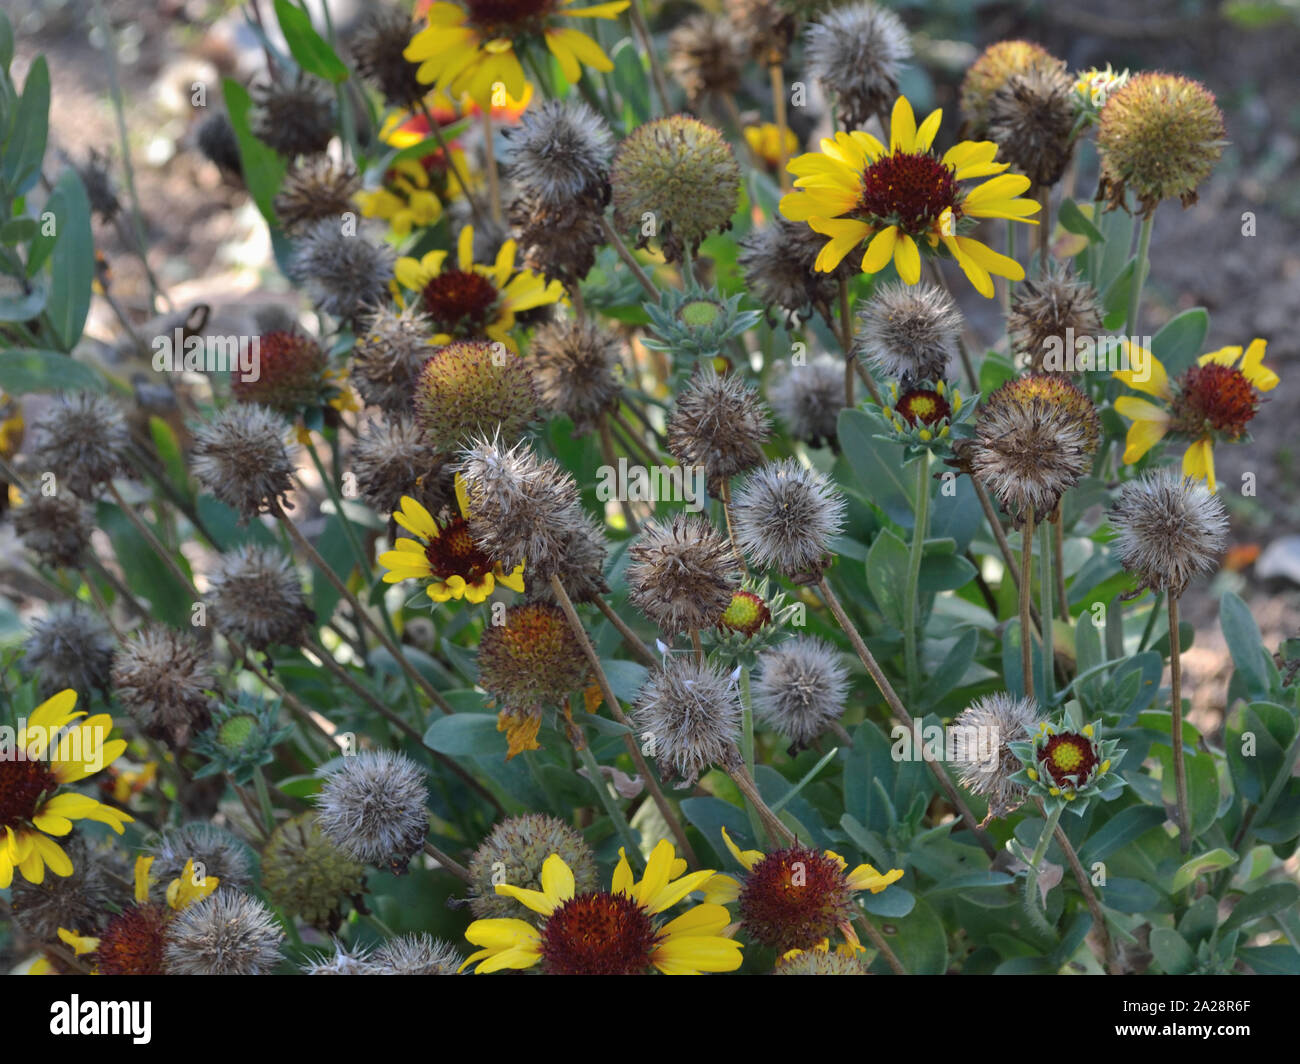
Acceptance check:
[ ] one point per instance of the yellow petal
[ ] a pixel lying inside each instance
(902, 127)
(746, 858)
(907, 259)
(881, 249)
(1198, 462)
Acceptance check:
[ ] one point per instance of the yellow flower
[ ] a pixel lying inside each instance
(470, 48)
(1212, 401)
(765, 142)
(406, 199)
(32, 808)
(471, 301)
(130, 782)
(905, 196)
(446, 556)
(610, 932)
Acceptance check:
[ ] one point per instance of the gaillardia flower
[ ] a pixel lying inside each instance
(610, 932)
(33, 812)
(1211, 402)
(904, 197)
(797, 898)
(445, 555)
(470, 388)
(471, 301)
(1063, 765)
(469, 46)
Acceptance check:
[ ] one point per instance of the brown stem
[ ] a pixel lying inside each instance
(629, 740)
(1026, 635)
(449, 863)
(633, 439)
(901, 715)
(878, 940)
(1176, 708)
(698, 645)
(633, 641)
(153, 541)
(616, 242)
(840, 732)
(1089, 895)
(725, 493)
(777, 831)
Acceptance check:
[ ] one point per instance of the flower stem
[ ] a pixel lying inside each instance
(1032, 901)
(1058, 550)
(647, 42)
(1045, 610)
(1026, 578)
(449, 863)
(1139, 273)
(1089, 895)
(612, 809)
(611, 460)
(1176, 710)
(616, 242)
(725, 492)
(264, 800)
(633, 641)
(490, 165)
(747, 742)
(911, 599)
(778, 833)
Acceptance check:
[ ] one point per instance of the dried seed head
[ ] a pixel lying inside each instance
(473, 387)
(377, 45)
(766, 27)
(1054, 311)
(816, 962)
(1171, 528)
(215, 138)
(1034, 438)
(373, 808)
(218, 853)
(682, 574)
(558, 240)
(226, 933)
(576, 365)
(705, 56)
(785, 517)
(344, 961)
(393, 458)
(162, 677)
(241, 456)
(560, 152)
(83, 900)
(777, 262)
(294, 118)
(856, 52)
(984, 728)
(418, 954)
(721, 424)
(1159, 135)
(691, 713)
(315, 188)
(801, 688)
(289, 375)
(580, 565)
(994, 68)
(82, 439)
(389, 354)
(679, 173)
(514, 853)
(56, 528)
(70, 647)
(344, 273)
(809, 398)
(521, 508)
(306, 875)
(533, 660)
(1031, 118)
(909, 332)
(256, 595)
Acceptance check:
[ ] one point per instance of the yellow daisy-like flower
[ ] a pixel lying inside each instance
(470, 301)
(765, 142)
(405, 201)
(610, 932)
(471, 46)
(1212, 401)
(904, 197)
(51, 752)
(445, 555)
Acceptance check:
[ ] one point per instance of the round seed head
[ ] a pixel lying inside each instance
(56, 528)
(705, 56)
(721, 424)
(1171, 530)
(305, 875)
(343, 961)
(82, 439)
(994, 68)
(1159, 135)
(766, 27)
(1031, 118)
(909, 332)
(472, 387)
(808, 399)
(373, 808)
(682, 573)
(226, 933)
(344, 273)
(580, 564)
(801, 688)
(1053, 310)
(558, 240)
(986, 763)
(777, 263)
(560, 152)
(162, 677)
(70, 647)
(290, 373)
(418, 954)
(785, 517)
(815, 962)
(679, 173)
(315, 188)
(95, 176)
(576, 366)
(256, 595)
(241, 456)
(795, 898)
(514, 852)
(83, 900)
(295, 118)
(215, 138)
(856, 52)
(377, 46)
(393, 458)
(533, 660)
(217, 852)
(389, 354)
(691, 713)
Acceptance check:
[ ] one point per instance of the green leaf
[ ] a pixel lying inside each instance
(17, 231)
(263, 168)
(6, 42)
(308, 47)
(1245, 644)
(878, 467)
(919, 940)
(995, 371)
(1263, 902)
(1271, 960)
(1202, 793)
(72, 262)
(631, 81)
(25, 151)
(956, 660)
(1179, 341)
(1115, 300)
(940, 572)
(710, 816)
(1117, 227)
(28, 304)
(893, 903)
(1073, 220)
(465, 733)
(169, 450)
(887, 562)
(1212, 861)
(1124, 827)
(1171, 950)
(26, 369)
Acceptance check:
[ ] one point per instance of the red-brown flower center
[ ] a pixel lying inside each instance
(908, 189)
(1068, 759)
(1215, 397)
(287, 372)
(454, 553)
(598, 934)
(500, 17)
(22, 783)
(794, 898)
(460, 302)
(923, 406)
(132, 944)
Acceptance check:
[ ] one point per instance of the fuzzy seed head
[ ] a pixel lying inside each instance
(785, 517)
(256, 595)
(373, 808)
(682, 574)
(70, 647)
(777, 263)
(801, 688)
(533, 660)
(241, 456)
(290, 374)
(226, 933)
(558, 240)
(721, 424)
(561, 152)
(794, 898)
(580, 564)
(996, 66)
(815, 962)
(1055, 309)
(306, 875)
(389, 354)
(294, 118)
(909, 332)
(215, 138)
(576, 366)
(1171, 528)
(808, 399)
(83, 901)
(344, 273)
(691, 712)
(315, 188)
(985, 762)
(377, 46)
(56, 528)
(857, 52)
(705, 56)
(393, 458)
(1031, 118)
(473, 387)
(218, 852)
(679, 173)
(418, 954)
(765, 26)
(514, 852)
(82, 439)
(162, 676)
